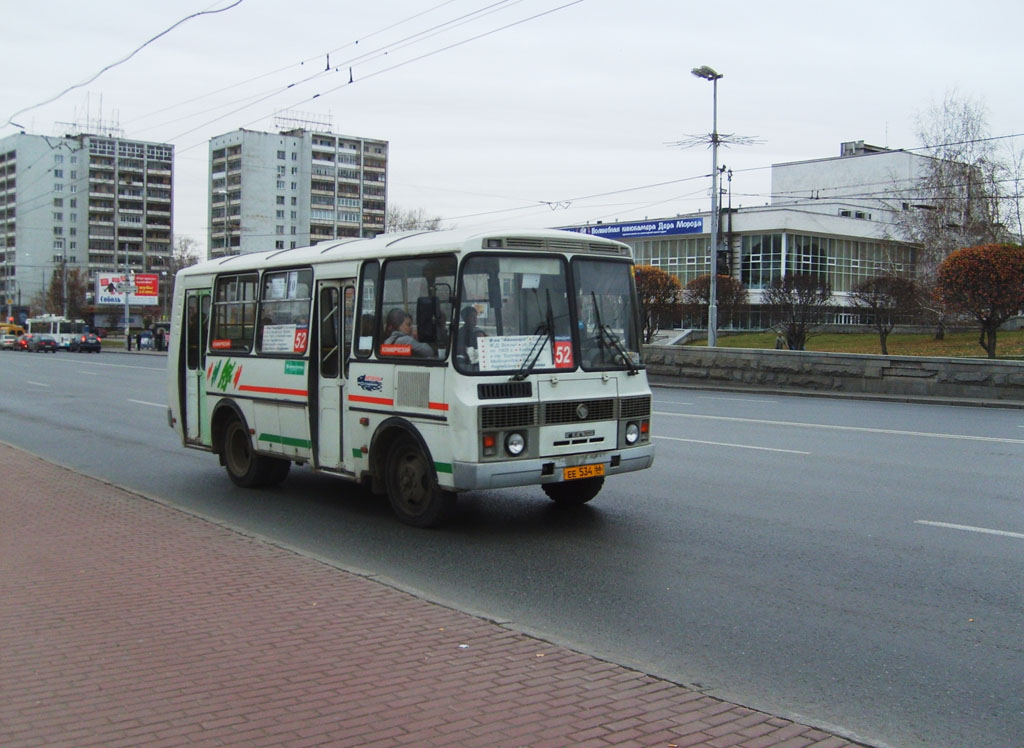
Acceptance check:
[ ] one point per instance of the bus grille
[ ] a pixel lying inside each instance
(504, 390)
(578, 411)
(634, 407)
(507, 416)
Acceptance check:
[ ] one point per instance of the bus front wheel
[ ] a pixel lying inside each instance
(246, 468)
(573, 492)
(413, 492)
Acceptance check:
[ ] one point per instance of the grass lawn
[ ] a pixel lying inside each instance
(1009, 345)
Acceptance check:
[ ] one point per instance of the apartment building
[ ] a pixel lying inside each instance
(92, 202)
(289, 189)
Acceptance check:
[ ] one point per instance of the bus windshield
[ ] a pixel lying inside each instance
(515, 315)
(606, 310)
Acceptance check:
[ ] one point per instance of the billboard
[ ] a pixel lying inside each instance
(636, 229)
(142, 288)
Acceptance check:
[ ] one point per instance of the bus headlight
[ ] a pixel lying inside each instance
(515, 443)
(632, 433)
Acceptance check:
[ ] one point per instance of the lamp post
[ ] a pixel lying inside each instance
(710, 75)
(126, 285)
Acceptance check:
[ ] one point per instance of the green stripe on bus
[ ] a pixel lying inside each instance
(443, 467)
(286, 441)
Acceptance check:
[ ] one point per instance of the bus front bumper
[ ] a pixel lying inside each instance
(470, 476)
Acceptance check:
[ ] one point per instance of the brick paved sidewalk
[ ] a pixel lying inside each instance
(127, 623)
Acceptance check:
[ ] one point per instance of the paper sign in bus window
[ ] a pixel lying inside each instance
(510, 351)
(285, 339)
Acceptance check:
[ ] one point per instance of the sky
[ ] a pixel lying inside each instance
(517, 113)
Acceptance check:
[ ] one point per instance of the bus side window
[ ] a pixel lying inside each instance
(192, 332)
(330, 351)
(346, 325)
(367, 319)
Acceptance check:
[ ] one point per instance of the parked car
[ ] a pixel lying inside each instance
(43, 344)
(86, 342)
(7, 342)
(21, 344)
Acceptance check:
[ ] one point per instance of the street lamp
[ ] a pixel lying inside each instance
(709, 74)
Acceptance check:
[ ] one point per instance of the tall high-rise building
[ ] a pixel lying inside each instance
(293, 188)
(92, 202)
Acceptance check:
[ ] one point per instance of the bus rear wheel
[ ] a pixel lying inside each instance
(415, 497)
(246, 468)
(573, 492)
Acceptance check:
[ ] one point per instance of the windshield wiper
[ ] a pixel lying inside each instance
(608, 335)
(546, 330)
(532, 356)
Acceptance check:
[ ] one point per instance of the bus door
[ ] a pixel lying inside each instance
(335, 308)
(195, 326)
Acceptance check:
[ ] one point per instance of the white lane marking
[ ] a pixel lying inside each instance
(968, 528)
(676, 402)
(112, 366)
(862, 429)
(145, 402)
(737, 446)
(37, 384)
(743, 400)
(89, 373)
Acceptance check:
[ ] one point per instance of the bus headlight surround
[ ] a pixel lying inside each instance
(515, 444)
(632, 432)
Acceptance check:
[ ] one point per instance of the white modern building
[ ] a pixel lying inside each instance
(293, 188)
(93, 202)
(834, 217)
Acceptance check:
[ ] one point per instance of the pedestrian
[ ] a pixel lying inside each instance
(780, 342)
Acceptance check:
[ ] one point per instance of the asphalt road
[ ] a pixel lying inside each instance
(852, 564)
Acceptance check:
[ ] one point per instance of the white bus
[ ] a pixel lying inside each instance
(419, 364)
(61, 328)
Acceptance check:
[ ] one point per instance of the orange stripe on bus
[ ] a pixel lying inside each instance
(438, 406)
(374, 400)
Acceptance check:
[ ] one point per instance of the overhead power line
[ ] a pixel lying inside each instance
(124, 59)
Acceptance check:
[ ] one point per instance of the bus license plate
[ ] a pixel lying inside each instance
(583, 471)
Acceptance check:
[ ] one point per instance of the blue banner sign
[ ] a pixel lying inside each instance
(635, 229)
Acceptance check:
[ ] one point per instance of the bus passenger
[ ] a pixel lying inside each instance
(399, 332)
(468, 333)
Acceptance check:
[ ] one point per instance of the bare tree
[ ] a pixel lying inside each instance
(958, 200)
(730, 293)
(888, 299)
(185, 253)
(401, 219)
(1015, 193)
(658, 296)
(52, 301)
(797, 306)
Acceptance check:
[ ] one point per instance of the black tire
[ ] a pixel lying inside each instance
(239, 456)
(246, 468)
(412, 489)
(573, 492)
(274, 470)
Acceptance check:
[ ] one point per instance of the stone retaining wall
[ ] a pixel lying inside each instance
(840, 372)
